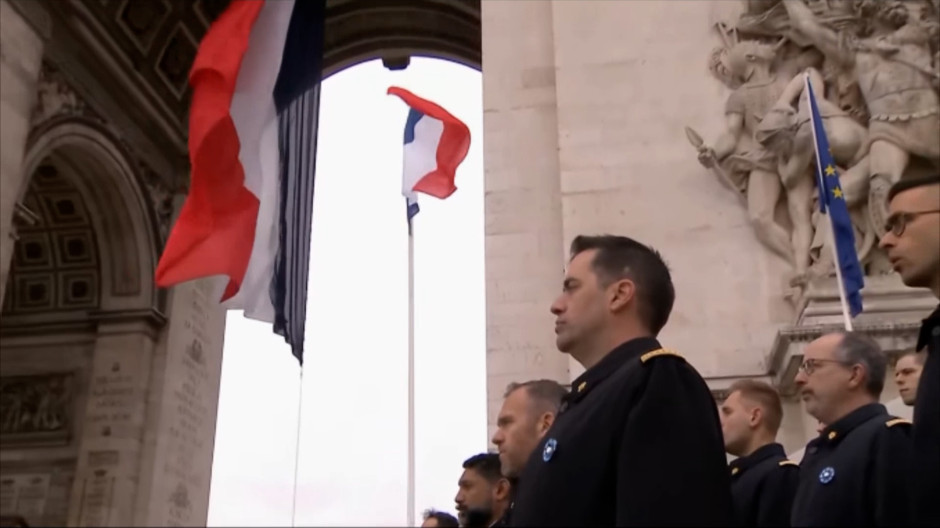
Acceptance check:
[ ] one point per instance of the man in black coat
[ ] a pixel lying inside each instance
(912, 240)
(856, 472)
(763, 479)
(637, 442)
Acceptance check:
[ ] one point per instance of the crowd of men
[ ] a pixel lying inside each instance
(639, 441)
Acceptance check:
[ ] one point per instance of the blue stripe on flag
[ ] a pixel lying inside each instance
(413, 117)
(832, 199)
(297, 99)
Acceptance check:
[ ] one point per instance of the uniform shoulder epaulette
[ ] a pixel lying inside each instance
(656, 353)
(788, 463)
(897, 421)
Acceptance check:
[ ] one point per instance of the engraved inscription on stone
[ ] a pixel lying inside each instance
(24, 495)
(35, 408)
(98, 491)
(189, 412)
(111, 398)
(97, 496)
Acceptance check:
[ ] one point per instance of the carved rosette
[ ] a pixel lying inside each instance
(56, 99)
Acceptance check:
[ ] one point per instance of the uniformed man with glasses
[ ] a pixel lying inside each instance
(912, 241)
(855, 473)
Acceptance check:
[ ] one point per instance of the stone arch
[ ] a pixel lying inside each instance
(395, 30)
(120, 215)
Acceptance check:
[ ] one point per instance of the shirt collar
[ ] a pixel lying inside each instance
(927, 328)
(609, 364)
(838, 430)
(742, 464)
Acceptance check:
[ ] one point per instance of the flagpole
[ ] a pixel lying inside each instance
(300, 406)
(411, 375)
(831, 235)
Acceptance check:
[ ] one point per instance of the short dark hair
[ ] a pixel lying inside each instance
(764, 395)
(443, 519)
(619, 257)
(912, 183)
(919, 357)
(857, 348)
(486, 464)
(545, 392)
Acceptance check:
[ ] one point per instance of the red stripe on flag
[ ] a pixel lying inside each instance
(216, 227)
(451, 151)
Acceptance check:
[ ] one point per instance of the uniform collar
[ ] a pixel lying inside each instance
(609, 364)
(929, 326)
(838, 430)
(742, 464)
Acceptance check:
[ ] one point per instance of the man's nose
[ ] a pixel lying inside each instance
(557, 307)
(800, 378)
(887, 240)
(497, 438)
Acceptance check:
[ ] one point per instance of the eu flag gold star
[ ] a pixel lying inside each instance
(830, 170)
(837, 193)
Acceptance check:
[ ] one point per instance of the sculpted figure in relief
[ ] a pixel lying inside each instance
(875, 67)
(759, 79)
(787, 132)
(893, 65)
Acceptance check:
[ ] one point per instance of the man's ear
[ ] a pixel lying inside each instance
(858, 376)
(621, 293)
(755, 416)
(502, 489)
(544, 422)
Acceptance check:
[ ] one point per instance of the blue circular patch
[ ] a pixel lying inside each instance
(826, 475)
(549, 449)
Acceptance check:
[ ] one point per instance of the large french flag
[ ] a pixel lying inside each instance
(252, 146)
(436, 143)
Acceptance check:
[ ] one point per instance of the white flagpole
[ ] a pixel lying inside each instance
(411, 374)
(831, 238)
(300, 406)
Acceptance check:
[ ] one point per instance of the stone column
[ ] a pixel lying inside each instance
(108, 467)
(184, 398)
(22, 26)
(524, 247)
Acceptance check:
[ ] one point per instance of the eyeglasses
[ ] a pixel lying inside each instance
(808, 366)
(897, 222)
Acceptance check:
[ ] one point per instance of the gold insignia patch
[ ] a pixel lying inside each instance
(897, 421)
(656, 353)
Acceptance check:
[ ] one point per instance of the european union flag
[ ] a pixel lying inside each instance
(832, 201)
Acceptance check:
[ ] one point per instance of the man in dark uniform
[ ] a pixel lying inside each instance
(527, 413)
(763, 479)
(637, 442)
(856, 472)
(912, 240)
(482, 491)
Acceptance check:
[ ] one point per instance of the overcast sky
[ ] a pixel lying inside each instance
(353, 444)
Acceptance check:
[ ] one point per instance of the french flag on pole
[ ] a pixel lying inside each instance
(436, 143)
(252, 146)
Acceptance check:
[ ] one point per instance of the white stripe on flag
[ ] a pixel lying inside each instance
(420, 155)
(255, 119)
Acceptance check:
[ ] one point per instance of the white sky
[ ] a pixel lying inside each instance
(353, 447)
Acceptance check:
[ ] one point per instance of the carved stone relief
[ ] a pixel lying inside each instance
(35, 409)
(875, 69)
